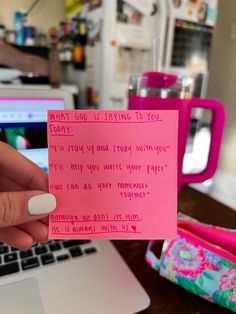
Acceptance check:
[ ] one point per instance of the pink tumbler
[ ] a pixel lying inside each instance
(160, 91)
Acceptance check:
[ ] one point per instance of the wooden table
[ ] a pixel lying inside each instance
(166, 297)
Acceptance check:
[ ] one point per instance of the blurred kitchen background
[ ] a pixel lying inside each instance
(103, 42)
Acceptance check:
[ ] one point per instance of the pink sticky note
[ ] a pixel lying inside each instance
(114, 174)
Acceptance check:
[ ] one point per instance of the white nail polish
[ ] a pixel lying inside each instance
(41, 204)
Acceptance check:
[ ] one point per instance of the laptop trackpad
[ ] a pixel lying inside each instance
(22, 297)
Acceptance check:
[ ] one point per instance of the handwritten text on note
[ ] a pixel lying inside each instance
(114, 174)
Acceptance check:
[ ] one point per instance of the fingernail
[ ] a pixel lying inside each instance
(41, 204)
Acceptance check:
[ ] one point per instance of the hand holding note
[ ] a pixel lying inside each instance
(114, 174)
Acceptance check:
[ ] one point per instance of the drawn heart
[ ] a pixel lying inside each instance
(133, 228)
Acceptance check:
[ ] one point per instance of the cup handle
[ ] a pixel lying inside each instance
(217, 128)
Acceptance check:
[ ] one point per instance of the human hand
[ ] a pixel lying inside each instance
(24, 200)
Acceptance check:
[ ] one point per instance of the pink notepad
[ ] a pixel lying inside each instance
(114, 174)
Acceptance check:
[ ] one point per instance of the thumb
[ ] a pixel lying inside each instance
(20, 207)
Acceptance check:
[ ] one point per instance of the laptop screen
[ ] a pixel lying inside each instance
(23, 125)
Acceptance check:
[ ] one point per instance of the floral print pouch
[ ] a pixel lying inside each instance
(202, 260)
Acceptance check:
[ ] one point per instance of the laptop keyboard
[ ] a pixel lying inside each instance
(13, 260)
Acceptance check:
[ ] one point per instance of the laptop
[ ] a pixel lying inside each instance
(61, 277)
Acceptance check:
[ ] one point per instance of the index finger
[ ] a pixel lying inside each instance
(21, 170)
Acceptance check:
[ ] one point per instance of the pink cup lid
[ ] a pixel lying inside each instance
(159, 79)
